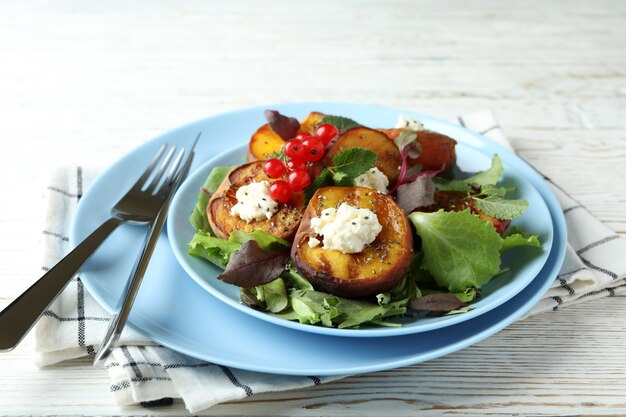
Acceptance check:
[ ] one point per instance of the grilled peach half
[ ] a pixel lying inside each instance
(265, 143)
(388, 158)
(378, 268)
(282, 224)
(437, 149)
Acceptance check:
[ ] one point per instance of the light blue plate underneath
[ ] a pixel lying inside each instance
(175, 311)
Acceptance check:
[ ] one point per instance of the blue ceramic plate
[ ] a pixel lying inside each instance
(474, 153)
(173, 310)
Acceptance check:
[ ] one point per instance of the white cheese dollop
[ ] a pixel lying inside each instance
(411, 124)
(254, 202)
(373, 178)
(347, 229)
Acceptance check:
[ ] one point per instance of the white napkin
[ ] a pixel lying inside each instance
(152, 375)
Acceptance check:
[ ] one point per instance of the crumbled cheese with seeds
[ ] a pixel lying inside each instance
(347, 229)
(373, 178)
(411, 124)
(254, 202)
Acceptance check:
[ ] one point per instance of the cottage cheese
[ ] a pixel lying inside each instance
(254, 202)
(347, 229)
(373, 178)
(406, 123)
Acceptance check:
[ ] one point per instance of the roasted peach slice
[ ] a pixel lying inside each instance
(309, 124)
(265, 143)
(282, 224)
(388, 158)
(437, 149)
(378, 268)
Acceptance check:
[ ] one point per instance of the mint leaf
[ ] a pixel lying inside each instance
(460, 249)
(342, 179)
(325, 179)
(354, 161)
(198, 218)
(501, 208)
(490, 176)
(519, 239)
(341, 123)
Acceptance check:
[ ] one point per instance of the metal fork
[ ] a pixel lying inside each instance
(140, 205)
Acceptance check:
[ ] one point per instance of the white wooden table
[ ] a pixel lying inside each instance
(85, 82)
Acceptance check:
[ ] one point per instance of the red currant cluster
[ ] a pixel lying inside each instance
(305, 148)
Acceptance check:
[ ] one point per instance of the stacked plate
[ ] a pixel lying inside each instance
(182, 306)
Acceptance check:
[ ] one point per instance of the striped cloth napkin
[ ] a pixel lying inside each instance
(141, 372)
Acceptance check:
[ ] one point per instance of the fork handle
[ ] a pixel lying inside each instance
(20, 316)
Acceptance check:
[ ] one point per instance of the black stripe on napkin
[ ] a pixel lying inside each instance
(597, 268)
(567, 210)
(62, 192)
(125, 384)
(564, 274)
(57, 235)
(558, 300)
(597, 243)
(235, 381)
(489, 129)
(131, 362)
(80, 307)
(54, 315)
(567, 287)
(315, 380)
(79, 182)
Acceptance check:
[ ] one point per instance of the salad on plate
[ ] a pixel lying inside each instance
(333, 223)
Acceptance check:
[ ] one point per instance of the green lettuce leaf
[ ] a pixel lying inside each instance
(460, 250)
(501, 208)
(198, 218)
(213, 249)
(218, 251)
(519, 239)
(490, 176)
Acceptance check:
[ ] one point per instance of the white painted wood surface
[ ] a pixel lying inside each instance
(85, 82)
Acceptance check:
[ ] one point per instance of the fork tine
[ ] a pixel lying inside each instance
(167, 183)
(157, 177)
(146, 174)
(175, 172)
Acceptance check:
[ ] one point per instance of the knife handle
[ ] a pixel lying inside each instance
(20, 316)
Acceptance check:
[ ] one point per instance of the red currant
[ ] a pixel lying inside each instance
(293, 164)
(299, 179)
(294, 149)
(314, 149)
(303, 135)
(274, 168)
(280, 191)
(326, 132)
